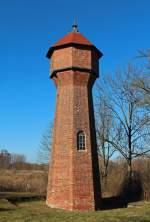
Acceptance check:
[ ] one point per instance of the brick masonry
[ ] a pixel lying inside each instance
(74, 56)
(74, 180)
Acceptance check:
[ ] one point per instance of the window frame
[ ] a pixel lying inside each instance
(81, 140)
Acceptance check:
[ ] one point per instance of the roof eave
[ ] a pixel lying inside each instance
(51, 49)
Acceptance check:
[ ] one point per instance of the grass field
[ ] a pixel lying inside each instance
(26, 209)
(37, 211)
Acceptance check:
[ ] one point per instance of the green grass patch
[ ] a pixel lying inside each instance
(6, 205)
(37, 211)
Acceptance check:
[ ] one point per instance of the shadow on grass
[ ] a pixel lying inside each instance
(9, 201)
(23, 198)
(131, 190)
(113, 203)
(5, 209)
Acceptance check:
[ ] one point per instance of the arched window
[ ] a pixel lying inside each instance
(81, 140)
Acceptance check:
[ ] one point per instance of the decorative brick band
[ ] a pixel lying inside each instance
(74, 68)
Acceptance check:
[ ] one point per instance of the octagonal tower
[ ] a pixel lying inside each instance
(74, 179)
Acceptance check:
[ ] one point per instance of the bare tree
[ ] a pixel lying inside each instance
(45, 145)
(18, 161)
(131, 122)
(5, 159)
(17, 158)
(104, 128)
(145, 54)
(142, 83)
(12, 160)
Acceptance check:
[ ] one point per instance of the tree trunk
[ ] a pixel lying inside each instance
(130, 154)
(129, 188)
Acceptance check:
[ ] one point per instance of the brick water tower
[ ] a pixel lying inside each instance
(74, 179)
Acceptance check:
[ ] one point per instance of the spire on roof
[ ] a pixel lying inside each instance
(75, 26)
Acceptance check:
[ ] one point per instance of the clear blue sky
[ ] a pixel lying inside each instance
(28, 28)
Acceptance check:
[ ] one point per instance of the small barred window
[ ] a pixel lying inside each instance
(81, 140)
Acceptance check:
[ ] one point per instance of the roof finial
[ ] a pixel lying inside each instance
(75, 26)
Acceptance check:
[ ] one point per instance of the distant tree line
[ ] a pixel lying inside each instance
(8, 160)
(18, 162)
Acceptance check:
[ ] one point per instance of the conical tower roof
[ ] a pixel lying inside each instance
(73, 38)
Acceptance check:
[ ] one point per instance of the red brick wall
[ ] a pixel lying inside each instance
(74, 181)
(74, 56)
(61, 58)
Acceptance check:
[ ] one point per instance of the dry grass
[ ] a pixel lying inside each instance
(36, 180)
(23, 181)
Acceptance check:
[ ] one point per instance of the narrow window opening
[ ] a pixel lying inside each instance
(81, 140)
